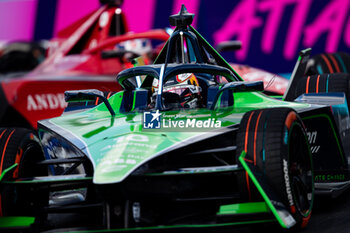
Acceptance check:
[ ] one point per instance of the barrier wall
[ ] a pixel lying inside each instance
(272, 31)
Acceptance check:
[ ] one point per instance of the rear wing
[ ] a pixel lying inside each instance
(298, 72)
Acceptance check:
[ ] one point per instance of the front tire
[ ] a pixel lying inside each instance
(275, 142)
(21, 146)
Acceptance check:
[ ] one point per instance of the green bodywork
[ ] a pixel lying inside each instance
(244, 208)
(16, 222)
(284, 218)
(118, 145)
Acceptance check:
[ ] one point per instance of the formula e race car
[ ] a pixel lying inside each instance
(187, 143)
(87, 54)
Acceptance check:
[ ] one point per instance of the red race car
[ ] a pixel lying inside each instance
(273, 84)
(86, 55)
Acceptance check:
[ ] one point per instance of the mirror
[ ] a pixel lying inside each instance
(86, 95)
(229, 46)
(239, 87)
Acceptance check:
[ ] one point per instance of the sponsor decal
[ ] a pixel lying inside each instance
(46, 101)
(136, 211)
(104, 18)
(246, 17)
(312, 137)
(314, 149)
(330, 177)
(286, 180)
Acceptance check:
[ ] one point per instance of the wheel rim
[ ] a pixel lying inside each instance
(300, 169)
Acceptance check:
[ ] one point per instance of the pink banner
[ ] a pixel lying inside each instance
(69, 11)
(17, 19)
(139, 14)
(139, 18)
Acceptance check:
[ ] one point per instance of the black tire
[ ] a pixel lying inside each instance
(328, 63)
(275, 141)
(323, 83)
(17, 61)
(21, 146)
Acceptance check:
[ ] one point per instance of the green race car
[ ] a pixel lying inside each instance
(186, 143)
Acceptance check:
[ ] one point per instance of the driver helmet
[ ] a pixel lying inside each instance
(182, 89)
(138, 50)
(136, 46)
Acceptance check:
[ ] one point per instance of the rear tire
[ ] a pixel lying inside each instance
(323, 83)
(21, 146)
(275, 142)
(328, 63)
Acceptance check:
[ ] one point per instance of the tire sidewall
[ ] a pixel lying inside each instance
(293, 122)
(20, 146)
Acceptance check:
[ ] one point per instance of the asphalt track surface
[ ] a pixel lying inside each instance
(331, 215)
(328, 216)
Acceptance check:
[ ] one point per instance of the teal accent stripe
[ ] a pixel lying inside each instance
(341, 62)
(319, 69)
(263, 145)
(327, 83)
(286, 134)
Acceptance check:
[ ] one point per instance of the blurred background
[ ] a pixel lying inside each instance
(272, 31)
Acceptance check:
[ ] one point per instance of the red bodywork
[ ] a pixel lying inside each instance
(74, 62)
(273, 83)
